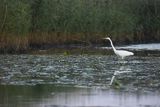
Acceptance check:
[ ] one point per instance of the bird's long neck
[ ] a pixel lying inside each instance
(114, 49)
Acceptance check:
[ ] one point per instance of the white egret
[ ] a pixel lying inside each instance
(120, 53)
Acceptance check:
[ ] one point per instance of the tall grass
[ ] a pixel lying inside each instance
(28, 23)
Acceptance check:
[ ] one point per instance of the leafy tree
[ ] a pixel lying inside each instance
(17, 17)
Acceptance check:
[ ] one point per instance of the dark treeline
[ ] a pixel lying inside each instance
(27, 23)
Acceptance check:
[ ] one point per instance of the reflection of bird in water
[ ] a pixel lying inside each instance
(116, 73)
(120, 53)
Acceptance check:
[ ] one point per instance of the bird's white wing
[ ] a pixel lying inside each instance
(124, 53)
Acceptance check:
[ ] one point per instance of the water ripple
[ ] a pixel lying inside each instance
(80, 70)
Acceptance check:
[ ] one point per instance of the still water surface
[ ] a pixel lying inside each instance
(79, 81)
(58, 96)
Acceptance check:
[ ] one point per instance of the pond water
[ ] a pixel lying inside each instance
(64, 96)
(152, 46)
(75, 80)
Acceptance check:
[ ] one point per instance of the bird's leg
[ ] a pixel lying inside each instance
(122, 62)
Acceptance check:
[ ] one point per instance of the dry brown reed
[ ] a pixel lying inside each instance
(16, 43)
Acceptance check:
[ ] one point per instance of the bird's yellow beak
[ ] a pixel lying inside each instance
(105, 38)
